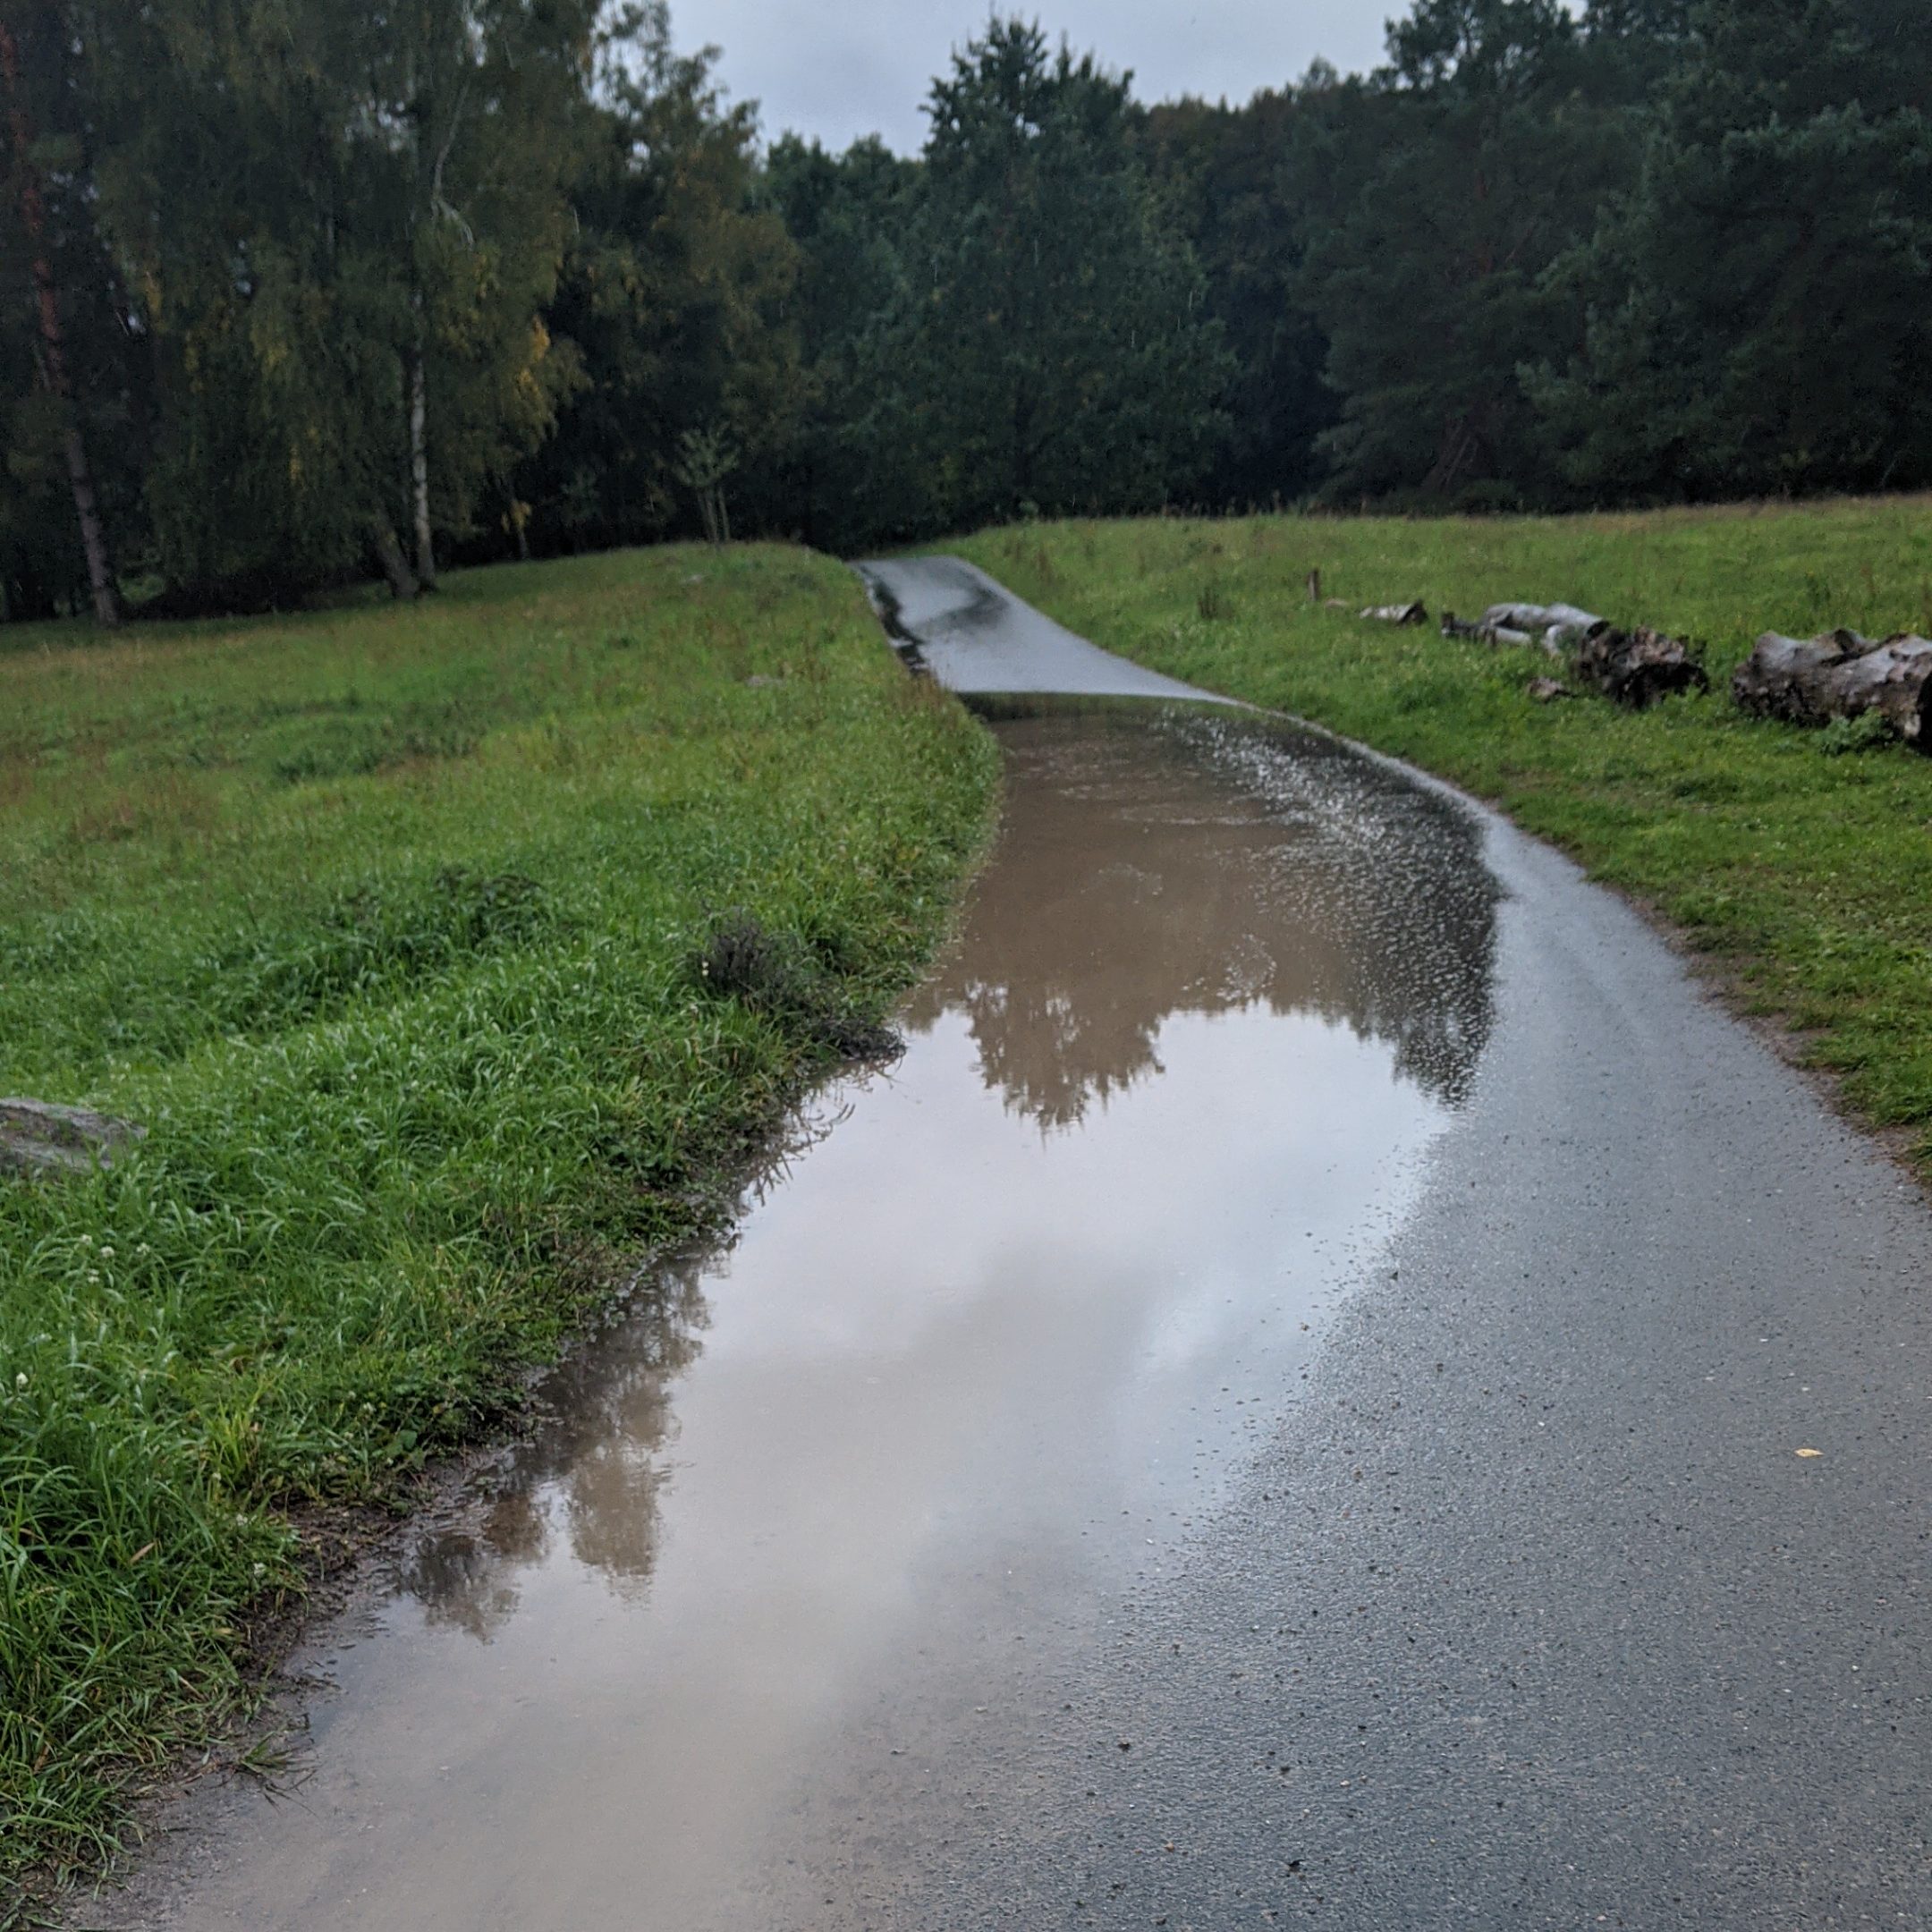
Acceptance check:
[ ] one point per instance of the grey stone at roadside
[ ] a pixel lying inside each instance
(38, 1138)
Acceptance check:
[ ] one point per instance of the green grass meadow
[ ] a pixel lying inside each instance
(1803, 860)
(383, 921)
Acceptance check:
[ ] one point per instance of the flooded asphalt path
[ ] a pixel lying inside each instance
(1284, 1407)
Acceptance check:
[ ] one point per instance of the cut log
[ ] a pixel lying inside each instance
(1894, 680)
(1544, 617)
(1396, 614)
(1557, 627)
(1784, 676)
(1631, 667)
(1483, 634)
(1637, 668)
(1811, 680)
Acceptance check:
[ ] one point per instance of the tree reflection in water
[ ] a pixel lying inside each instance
(1156, 863)
(594, 1470)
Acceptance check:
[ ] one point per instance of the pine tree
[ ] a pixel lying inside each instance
(1234, 188)
(851, 477)
(1760, 311)
(1056, 339)
(1441, 192)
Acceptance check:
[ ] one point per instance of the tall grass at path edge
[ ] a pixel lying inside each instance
(386, 922)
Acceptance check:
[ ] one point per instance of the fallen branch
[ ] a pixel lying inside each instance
(1396, 614)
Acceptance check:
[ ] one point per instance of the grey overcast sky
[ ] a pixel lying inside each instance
(863, 66)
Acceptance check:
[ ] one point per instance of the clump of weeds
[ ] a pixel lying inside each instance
(778, 975)
(1846, 736)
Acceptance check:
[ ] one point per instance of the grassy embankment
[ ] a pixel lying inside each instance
(383, 922)
(1809, 873)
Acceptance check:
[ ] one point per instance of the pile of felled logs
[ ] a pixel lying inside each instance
(1811, 681)
(1632, 667)
(1805, 681)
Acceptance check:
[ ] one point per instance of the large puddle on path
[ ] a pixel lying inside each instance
(998, 1330)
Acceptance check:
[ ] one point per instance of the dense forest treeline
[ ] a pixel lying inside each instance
(298, 291)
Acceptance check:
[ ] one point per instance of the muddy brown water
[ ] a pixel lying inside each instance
(826, 1532)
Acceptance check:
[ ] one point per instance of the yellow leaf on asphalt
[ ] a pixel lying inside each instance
(1810, 1452)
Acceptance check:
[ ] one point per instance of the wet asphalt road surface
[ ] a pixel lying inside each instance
(1284, 1408)
(954, 623)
